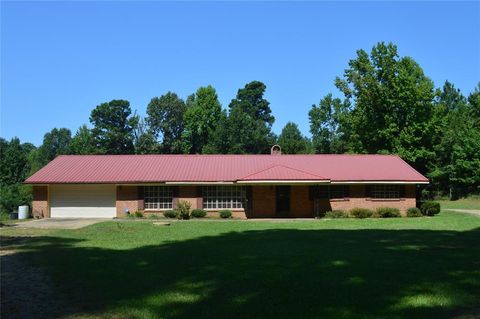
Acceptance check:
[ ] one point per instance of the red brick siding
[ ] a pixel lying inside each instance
(40, 208)
(359, 199)
(127, 198)
(264, 201)
(300, 203)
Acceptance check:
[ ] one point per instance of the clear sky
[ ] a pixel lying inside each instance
(60, 60)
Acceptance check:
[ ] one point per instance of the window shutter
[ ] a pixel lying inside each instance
(369, 190)
(199, 196)
(401, 191)
(175, 191)
(346, 191)
(141, 197)
(249, 204)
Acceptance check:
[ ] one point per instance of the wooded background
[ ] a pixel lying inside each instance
(388, 106)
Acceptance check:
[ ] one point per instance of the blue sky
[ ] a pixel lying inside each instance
(60, 60)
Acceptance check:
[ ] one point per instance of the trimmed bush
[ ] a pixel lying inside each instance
(225, 213)
(336, 214)
(361, 212)
(170, 214)
(184, 209)
(388, 212)
(138, 214)
(430, 208)
(414, 212)
(199, 213)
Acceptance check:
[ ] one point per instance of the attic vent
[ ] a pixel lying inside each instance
(276, 150)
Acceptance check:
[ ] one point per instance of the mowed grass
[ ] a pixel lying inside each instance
(374, 268)
(463, 203)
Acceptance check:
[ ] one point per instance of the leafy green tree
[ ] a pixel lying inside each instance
(113, 127)
(165, 119)
(250, 121)
(474, 104)
(392, 104)
(292, 141)
(144, 139)
(56, 142)
(329, 125)
(14, 169)
(83, 143)
(201, 119)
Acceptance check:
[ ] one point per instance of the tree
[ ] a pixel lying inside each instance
(14, 168)
(113, 127)
(329, 125)
(56, 142)
(165, 118)
(392, 105)
(250, 121)
(83, 143)
(292, 141)
(144, 139)
(201, 119)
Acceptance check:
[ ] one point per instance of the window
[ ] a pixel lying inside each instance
(158, 197)
(385, 191)
(329, 191)
(220, 197)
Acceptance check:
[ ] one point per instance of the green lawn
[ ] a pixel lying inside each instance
(374, 268)
(464, 203)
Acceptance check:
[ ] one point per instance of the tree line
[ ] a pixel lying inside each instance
(387, 106)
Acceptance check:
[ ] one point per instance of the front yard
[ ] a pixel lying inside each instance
(425, 267)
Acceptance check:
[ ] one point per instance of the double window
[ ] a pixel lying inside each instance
(220, 197)
(158, 197)
(385, 191)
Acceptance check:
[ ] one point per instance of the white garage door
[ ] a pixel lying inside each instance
(82, 201)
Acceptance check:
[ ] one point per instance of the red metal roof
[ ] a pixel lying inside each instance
(123, 169)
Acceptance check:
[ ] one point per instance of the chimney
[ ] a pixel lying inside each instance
(276, 150)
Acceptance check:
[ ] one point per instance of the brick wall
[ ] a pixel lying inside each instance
(40, 207)
(359, 199)
(127, 198)
(300, 203)
(264, 201)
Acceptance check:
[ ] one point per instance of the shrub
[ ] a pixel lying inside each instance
(225, 214)
(361, 212)
(153, 216)
(130, 215)
(336, 214)
(199, 213)
(430, 208)
(388, 212)
(184, 209)
(414, 212)
(170, 214)
(138, 214)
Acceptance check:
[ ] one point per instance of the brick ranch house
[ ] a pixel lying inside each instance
(251, 186)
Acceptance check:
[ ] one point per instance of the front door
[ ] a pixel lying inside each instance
(283, 201)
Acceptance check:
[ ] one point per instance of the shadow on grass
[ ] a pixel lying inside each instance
(273, 274)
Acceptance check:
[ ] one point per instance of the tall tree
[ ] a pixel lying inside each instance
(56, 142)
(250, 121)
(329, 125)
(392, 100)
(14, 168)
(144, 139)
(165, 119)
(201, 119)
(83, 143)
(292, 141)
(113, 127)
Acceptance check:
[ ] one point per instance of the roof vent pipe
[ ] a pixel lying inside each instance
(276, 150)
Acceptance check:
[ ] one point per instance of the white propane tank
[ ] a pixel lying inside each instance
(23, 212)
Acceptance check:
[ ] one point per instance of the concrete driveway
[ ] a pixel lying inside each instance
(59, 223)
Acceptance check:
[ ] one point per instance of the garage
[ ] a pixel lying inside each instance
(82, 201)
